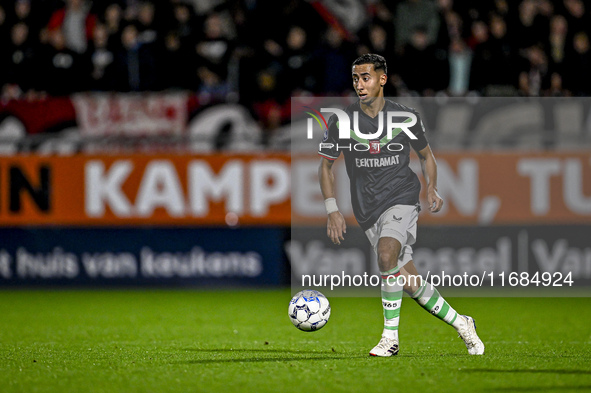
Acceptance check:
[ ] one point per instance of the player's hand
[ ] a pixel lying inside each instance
(336, 227)
(434, 199)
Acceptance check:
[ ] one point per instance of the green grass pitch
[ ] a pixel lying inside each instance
(243, 341)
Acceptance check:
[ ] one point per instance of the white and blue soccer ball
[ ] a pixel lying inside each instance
(309, 310)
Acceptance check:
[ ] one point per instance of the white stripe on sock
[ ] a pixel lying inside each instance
(437, 307)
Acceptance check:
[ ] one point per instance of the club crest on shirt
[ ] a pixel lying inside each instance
(374, 147)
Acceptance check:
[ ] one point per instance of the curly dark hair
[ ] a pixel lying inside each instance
(379, 63)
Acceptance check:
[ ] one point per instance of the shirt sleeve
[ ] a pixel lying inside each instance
(419, 131)
(328, 146)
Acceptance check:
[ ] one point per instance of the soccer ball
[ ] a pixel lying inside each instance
(309, 310)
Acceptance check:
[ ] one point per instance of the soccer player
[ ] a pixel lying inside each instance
(385, 197)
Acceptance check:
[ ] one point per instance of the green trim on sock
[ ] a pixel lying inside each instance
(431, 303)
(391, 271)
(392, 296)
(453, 320)
(444, 309)
(420, 291)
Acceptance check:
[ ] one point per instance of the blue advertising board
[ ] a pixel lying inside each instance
(127, 256)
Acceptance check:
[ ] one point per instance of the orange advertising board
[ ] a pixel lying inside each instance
(274, 189)
(144, 190)
(514, 188)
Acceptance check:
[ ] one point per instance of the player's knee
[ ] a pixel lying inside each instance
(387, 260)
(388, 252)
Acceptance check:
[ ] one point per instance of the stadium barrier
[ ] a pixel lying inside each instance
(68, 214)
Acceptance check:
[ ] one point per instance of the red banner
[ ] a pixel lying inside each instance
(131, 114)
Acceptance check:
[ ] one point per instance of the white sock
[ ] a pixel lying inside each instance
(392, 334)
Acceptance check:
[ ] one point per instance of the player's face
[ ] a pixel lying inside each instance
(368, 83)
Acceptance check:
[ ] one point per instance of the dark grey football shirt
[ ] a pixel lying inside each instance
(378, 168)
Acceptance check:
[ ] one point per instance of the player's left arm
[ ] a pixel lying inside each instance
(429, 168)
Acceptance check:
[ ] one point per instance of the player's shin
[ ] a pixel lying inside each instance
(391, 302)
(428, 297)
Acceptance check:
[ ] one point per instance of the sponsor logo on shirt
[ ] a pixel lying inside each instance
(377, 162)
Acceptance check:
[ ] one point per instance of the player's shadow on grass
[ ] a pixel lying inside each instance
(539, 388)
(242, 355)
(529, 371)
(262, 350)
(265, 359)
(534, 371)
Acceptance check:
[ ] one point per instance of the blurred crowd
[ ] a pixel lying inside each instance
(261, 52)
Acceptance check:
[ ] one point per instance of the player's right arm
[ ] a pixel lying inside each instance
(336, 226)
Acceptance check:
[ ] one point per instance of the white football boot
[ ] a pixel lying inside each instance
(386, 347)
(467, 333)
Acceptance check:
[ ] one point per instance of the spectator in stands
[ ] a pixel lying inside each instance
(375, 39)
(501, 8)
(260, 50)
(453, 25)
(112, 20)
(471, 11)
(19, 59)
(503, 49)
(493, 67)
(148, 30)
(185, 24)
(333, 63)
(130, 9)
(135, 64)
(297, 73)
(101, 58)
(4, 27)
(546, 9)
(481, 61)
(535, 75)
(416, 14)
(76, 24)
(501, 32)
(212, 87)
(479, 34)
(556, 88)
(450, 39)
(63, 71)
(577, 76)
(450, 25)
(576, 16)
(557, 42)
(425, 67)
(178, 67)
(23, 12)
(460, 61)
(214, 50)
(529, 28)
(382, 13)
(265, 107)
